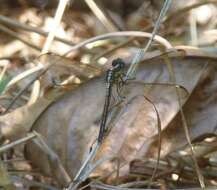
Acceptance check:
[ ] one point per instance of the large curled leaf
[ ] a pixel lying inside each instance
(70, 125)
(200, 111)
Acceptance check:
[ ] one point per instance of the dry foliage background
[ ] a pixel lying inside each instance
(53, 61)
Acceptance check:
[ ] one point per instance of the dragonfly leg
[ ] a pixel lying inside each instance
(119, 86)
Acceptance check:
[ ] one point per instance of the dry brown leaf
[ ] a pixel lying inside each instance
(70, 125)
(200, 111)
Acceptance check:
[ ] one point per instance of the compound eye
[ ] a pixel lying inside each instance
(118, 62)
(122, 64)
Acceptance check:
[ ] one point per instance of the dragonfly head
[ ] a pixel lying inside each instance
(118, 64)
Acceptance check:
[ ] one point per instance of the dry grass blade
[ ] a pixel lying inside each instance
(157, 38)
(141, 52)
(184, 122)
(23, 75)
(185, 125)
(84, 169)
(10, 22)
(171, 85)
(54, 161)
(159, 141)
(100, 13)
(116, 47)
(15, 143)
(14, 35)
(188, 8)
(58, 16)
(24, 90)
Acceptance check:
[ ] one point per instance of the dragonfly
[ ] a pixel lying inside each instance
(114, 75)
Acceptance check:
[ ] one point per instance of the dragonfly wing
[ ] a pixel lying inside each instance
(65, 67)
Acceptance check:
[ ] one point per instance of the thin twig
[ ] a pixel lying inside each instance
(188, 8)
(159, 140)
(23, 75)
(14, 35)
(84, 169)
(58, 16)
(10, 22)
(56, 165)
(18, 142)
(139, 34)
(100, 14)
(184, 121)
(24, 89)
(141, 52)
(193, 29)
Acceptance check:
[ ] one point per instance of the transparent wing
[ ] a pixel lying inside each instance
(63, 68)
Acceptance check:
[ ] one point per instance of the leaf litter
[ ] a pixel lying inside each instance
(67, 123)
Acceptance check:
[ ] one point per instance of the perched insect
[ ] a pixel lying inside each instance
(114, 75)
(77, 134)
